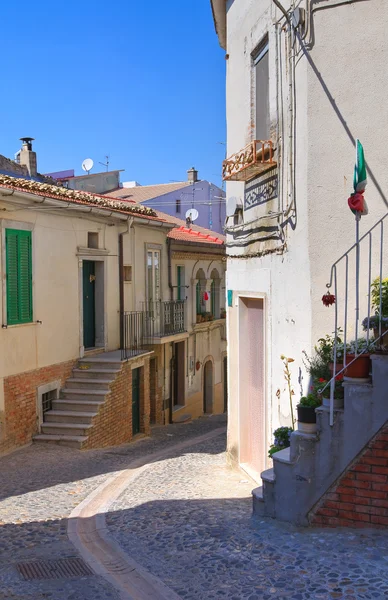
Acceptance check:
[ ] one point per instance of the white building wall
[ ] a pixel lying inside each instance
(340, 94)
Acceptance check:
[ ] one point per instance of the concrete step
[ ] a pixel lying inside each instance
(72, 404)
(268, 476)
(258, 501)
(83, 394)
(71, 441)
(68, 416)
(75, 429)
(83, 383)
(101, 363)
(96, 373)
(283, 456)
(182, 418)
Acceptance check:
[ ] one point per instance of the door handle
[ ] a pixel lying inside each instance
(92, 278)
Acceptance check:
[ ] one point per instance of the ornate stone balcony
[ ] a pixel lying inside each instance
(254, 159)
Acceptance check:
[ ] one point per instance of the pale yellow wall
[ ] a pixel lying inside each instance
(206, 340)
(56, 290)
(134, 250)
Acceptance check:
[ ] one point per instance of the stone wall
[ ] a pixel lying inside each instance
(359, 498)
(20, 418)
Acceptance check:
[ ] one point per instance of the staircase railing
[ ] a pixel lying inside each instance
(344, 325)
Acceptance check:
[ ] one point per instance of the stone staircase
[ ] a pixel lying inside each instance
(71, 417)
(303, 473)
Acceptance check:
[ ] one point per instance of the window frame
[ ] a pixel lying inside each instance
(261, 51)
(24, 231)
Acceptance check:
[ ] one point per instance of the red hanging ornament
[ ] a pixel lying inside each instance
(328, 299)
(206, 296)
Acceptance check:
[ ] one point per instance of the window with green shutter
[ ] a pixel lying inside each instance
(19, 276)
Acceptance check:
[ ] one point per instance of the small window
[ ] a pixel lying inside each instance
(261, 74)
(47, 400)
(92, 239)
(127, 273)
(178, 205)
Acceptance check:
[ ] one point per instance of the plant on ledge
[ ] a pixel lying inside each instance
(380, 318)
(281, 440)
(307, 418)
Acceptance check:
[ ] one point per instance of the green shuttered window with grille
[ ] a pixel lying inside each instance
(19, 276)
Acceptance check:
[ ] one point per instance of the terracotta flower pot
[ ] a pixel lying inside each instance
(339, 366)
(360, 368)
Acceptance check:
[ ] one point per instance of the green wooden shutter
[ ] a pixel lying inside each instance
(198, 298)
(19, 276)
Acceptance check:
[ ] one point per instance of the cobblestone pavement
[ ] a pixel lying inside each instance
(40, 486)
(186, 519)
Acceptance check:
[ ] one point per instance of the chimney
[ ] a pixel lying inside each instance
(192, 175)
(27, 157)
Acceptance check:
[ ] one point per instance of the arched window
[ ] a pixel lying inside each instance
(200, 290)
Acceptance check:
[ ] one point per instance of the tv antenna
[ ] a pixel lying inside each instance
(105, 164)
(87, 165)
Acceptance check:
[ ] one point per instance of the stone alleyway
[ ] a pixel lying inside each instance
(182, 523)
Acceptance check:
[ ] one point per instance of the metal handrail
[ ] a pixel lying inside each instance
(333, 282)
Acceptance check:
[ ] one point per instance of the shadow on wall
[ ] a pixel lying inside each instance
(42, 466)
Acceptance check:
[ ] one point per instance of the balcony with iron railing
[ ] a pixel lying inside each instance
(132, 334)
(256, 158)
(164, 318)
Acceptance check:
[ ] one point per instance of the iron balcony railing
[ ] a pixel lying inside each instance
(360, 296)
(133, 334)
(164, 318)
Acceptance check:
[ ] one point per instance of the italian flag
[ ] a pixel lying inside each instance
(356, 201)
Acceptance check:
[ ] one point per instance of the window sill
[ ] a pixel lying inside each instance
(29, 324)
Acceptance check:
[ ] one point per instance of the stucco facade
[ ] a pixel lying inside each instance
(292, 228)
(77, 252)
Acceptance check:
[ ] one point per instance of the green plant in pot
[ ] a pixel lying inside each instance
(307, 418)
(338, 399)
(358, 359)
(379, 321)
(281, 440)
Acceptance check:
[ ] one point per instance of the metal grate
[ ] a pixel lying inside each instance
(65, 568)
(47, 400)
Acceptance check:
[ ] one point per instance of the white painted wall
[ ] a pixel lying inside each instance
(348, 63)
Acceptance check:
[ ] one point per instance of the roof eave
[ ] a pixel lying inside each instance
(219, 16)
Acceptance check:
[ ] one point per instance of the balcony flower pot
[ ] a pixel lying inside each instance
(199, 318)
(360, 368)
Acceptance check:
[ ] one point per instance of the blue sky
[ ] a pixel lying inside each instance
(140, 81)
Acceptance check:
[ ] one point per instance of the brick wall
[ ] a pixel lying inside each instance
(360, 496)
(113, 424)
(20, 420)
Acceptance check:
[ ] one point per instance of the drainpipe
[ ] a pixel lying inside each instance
(121, 280)
(169, 269)
(170, 401)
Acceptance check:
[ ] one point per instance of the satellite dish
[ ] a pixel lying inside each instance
(192, 214)
(87, 165)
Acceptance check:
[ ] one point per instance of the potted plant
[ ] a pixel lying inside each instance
(380, 318)
(281, 440)
(223, 313)
(307, 418)
(338, 400)
(359, 353)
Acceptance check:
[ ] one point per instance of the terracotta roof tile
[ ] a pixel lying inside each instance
(190, 235)
(75, 196)
(141, 193)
